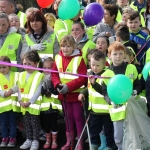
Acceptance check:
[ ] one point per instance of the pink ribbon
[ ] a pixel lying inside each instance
(47, 70)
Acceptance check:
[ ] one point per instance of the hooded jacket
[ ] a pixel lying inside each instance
(74, 84)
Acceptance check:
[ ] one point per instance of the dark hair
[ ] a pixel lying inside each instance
(80, 23)
(90, 52)
(37, 16)
(97, 55)
(105, 37)
(5, 59)
(32, 56)
(113, 9)
(123, 33)
(144, 28)
(133, 15)
(48, 59)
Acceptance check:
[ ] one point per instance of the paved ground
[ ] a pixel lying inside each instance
(61, 139)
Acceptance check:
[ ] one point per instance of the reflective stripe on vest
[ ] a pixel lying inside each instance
(71, 68)
(5, 84)
(117, 114)
(49, 50)
(23, 19)
(96, 101)
(30, 87)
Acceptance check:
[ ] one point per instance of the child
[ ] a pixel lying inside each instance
(99, 108)
(11, 43)
(30, 84)
(140, 37)
(15, 22)
(70, 60)
(102, 44)
(50, 18)
(49, 107)
(116, 52)
(8, 118)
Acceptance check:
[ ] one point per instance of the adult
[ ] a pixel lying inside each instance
(140, 6)
(39, 37)
(106, 28)
(81, 39)
(147, 15)
(8, 6)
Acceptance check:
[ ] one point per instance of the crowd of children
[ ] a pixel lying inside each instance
(120, 46)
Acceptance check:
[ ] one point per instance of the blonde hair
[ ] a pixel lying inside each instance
(68, 39)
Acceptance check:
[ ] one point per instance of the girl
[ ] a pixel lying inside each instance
(30, 84)
(15, 22)
(50, 18)
(10, 40)
(49, 107)
(8, 117)
(70, 60)
(81, 39)
(102, 44)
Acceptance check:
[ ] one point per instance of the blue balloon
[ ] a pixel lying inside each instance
(119, 89)
(93, 14)
(146, 70)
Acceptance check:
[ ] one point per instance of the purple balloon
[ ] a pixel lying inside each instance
(93, 14)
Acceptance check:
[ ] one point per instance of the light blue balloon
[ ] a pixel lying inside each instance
(119, 89)
(68, 9)
(146, 70)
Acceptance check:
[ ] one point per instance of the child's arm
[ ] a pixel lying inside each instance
(104, 91)
(83, 94)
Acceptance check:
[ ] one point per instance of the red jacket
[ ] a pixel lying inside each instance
(74, 84)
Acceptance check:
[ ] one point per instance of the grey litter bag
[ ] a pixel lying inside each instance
(136, 126)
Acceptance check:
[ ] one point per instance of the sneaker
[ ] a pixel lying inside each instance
(12, 142)
(43, 137)
(27, 144)
(35, 145)
(114, 147)
(4, 142)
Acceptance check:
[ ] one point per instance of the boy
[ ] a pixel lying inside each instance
(97, 105)
(116, 52)
(141, 38)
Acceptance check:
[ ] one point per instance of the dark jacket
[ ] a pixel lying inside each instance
(120, 70)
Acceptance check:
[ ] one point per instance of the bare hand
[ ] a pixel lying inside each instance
(92, 79)
(108, 34)
(80, 97)
(22, 104)
(27, 104)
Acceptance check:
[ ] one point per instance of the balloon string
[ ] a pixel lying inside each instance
(140, 51)
(49, 70)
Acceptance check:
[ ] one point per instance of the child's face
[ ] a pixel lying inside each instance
(122, 3)
(117, 57)
(4, 25)
(67, 50)
(14, 21)
(134, 24)
(97, 66)
(89, 60)
(4, 69)
(124, 17)
(127, 58)
(29, 63)
(50, 21)
(101, 45)
(77, 31)
(47, 65)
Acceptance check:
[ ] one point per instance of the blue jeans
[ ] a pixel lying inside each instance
(8, 121)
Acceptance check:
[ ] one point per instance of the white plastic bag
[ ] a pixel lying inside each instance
(136, 126)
